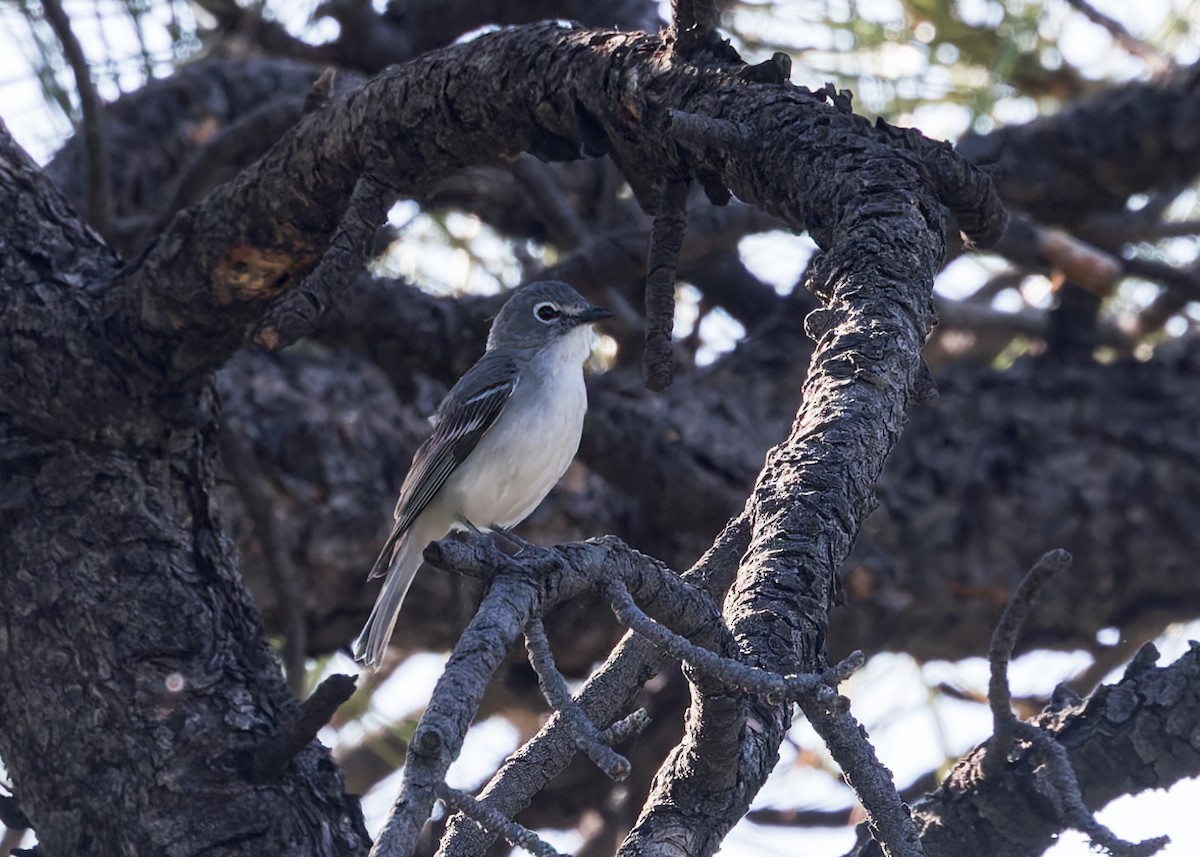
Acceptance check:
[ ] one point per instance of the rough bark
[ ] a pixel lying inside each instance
(130, 643)
(1134, 735)
(1094, 154)
(156, 435)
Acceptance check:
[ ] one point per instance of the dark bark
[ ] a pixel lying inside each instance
(1000, 465)
(134, 644)
(672, 470)
(815, 489)
(1094, 154)
(1128, 737)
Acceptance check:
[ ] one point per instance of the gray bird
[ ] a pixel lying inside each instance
(502, 438)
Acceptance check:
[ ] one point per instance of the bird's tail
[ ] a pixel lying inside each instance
(405, 562)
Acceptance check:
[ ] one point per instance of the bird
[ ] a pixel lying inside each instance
(502, 438)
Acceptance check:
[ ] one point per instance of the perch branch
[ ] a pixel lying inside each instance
(605, 696)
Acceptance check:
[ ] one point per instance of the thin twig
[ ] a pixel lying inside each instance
(1154, 60)
(554, 688)
(666, 237)
(1063, 785)
(774, 688)
(1184, 281)
(629, 726)
(1064, 791)
(828, 713)
(843, 817)
(99, 211)
(1004, 640)
(288, 583)
(890, 820)
(515, 834)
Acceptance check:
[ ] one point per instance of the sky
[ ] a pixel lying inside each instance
(913, 727)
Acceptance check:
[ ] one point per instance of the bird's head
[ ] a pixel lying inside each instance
(539, 313)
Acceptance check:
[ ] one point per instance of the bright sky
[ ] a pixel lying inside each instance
(913, 728)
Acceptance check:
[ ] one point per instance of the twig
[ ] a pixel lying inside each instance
(345, 257)
(794, 817)
(515, 834)
(288, 583)
(554, 688)
(1063, 786)
(1131, 43)
(890, 820)
(828, 713)
(666, 237)
(1004, 640)
(269, 761)
(772, 687)
(629, 726)
(99, 211)
(562, 221)
(1034, 246)
(1181, 286)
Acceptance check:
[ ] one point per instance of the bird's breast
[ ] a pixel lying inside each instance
(528, 449)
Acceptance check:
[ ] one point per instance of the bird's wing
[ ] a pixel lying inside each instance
(468, 411)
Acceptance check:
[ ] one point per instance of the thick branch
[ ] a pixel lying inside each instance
(195, 299)
(817, 487)
(1125, 738)
(1098, 151)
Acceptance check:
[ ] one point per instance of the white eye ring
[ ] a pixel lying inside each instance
(546, 312)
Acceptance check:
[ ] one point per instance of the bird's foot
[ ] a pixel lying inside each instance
(511, 540)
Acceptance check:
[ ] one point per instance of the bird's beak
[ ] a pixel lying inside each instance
(593, 314)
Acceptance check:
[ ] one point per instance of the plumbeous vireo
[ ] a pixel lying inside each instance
(502, 437)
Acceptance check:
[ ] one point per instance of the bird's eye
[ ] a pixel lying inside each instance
(546, 311)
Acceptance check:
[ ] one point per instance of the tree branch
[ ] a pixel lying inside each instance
(99, 198)
(1083, 160)
(606, 695)
(192, 301)
(267, 762)
(670, 223)
(1138, 718)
